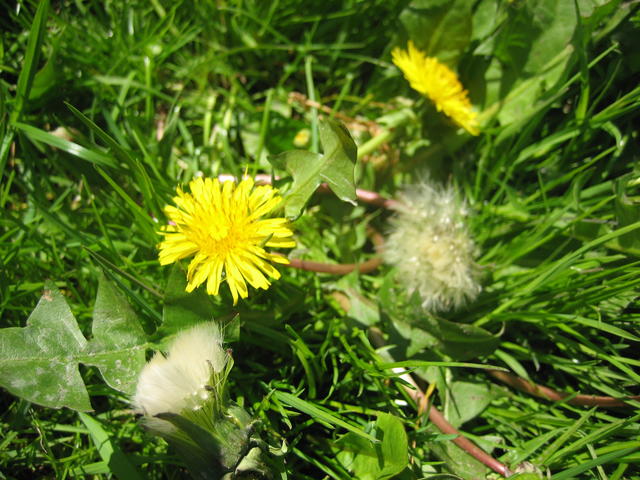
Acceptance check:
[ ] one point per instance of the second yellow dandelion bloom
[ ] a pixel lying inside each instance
(222, 226)
(438, 82)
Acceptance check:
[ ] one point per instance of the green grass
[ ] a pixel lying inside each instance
(150, 93)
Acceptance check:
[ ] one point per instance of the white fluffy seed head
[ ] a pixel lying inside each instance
(430, 247)
(179, 380)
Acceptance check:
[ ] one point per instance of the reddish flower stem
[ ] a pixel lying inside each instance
(547, 393)
(421, 400)
(464, 443)
(335, 268)
(367, 196)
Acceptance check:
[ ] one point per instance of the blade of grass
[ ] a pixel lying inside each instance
(311, 89)
(423, 364)
(320, 414)
(562, 439)
(92, 156)
(25, 80)
(602, 432)
(113, 456)
(144, 220)
(574, 472)
(31, 59)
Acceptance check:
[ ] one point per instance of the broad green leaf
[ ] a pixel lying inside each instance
(466, 400)
(457, 460)
(439, 28)
(46, 82)
(339, 154)
(119, 464)
(357, 455)
(118, 344)
(305, 169)
(40, 361)
(534, 33)
(459, 341)
(182, 309)
(532, 51)
(335, 166)
(394, 445)
(362, 309)
(381, 461)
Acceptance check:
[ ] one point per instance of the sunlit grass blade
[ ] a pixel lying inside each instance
(92, 156)
(117, 460)
(31, 59)
(318, 413)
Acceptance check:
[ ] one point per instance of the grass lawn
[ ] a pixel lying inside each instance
(459, 204)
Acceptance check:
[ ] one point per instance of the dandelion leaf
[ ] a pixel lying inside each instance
(183, 309)
(304, 167)
(534, 45)
(439, 28)
(467, 400)
(380, 461)
(394, 445)
(335, 166)
(40, 361)
(340, 153)
(457, 461)
(118, 344)
(417, 333)
(459, 341)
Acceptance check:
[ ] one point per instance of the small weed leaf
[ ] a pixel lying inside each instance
(40, 361)
(369, 461)
(309, 169)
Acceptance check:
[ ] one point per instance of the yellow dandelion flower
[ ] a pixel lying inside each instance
(438, 82)
(222, 225)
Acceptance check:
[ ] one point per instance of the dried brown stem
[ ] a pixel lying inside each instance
(353, 123)
(343, 268)
(438, 419)
(374, 198)
(367, 196)
(335, 268)
(467, 445)
(547, 393)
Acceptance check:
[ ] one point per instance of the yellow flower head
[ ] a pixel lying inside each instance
(438, 82)
(222, 225)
